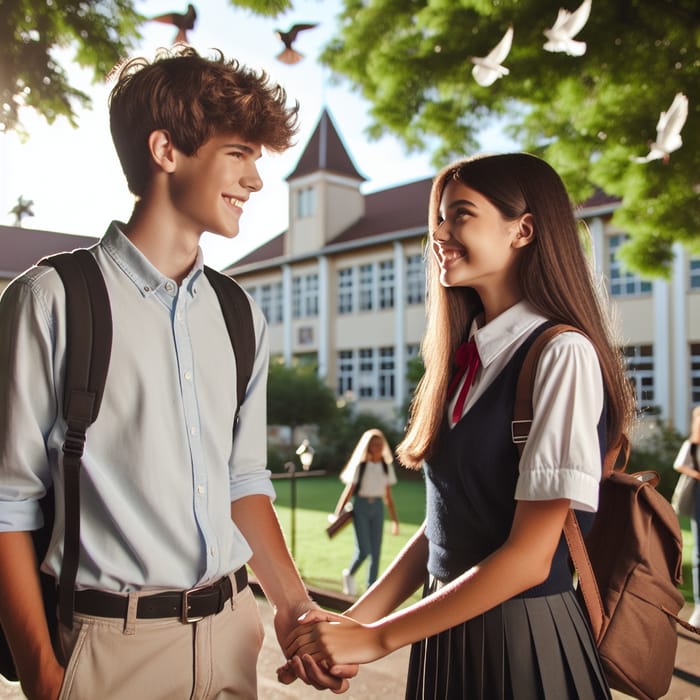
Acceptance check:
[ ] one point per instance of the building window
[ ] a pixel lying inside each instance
(345, 290)
(366, 373)
(386, 373)
(305, 295)
(265, 300)
(386, 284)
(310, 294)
(306, 202)
(623, 283)
(639, 361)
(296, 297)
(694, 278)
(346, 372)
(415, 279)
(277, 306)
(695, 374)
(366, 287)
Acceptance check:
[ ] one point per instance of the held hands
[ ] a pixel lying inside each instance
(333, 642)
(312, 673)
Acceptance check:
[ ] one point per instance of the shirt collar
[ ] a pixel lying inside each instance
(140, 270)
(497, 336)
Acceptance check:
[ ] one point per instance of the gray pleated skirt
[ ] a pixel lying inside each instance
(525, 649)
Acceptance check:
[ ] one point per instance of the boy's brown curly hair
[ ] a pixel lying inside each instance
(194, 98)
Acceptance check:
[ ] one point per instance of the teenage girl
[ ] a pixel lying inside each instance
(499, 618)
(688, 462)
(368, 477)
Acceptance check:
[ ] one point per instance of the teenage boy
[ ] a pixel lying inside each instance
(172, 497)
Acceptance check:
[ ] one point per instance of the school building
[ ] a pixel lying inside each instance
(344, 287)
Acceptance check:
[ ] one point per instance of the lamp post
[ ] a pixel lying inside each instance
(306, 456)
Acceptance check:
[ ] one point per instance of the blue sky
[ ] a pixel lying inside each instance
(73, 175)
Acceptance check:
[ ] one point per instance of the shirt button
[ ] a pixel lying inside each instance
(193, 430)
(200, 489)
(169, 286)
(212, 551)
(188, 376)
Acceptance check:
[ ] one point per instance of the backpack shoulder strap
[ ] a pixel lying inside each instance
(239, 324)
(520, 429)
(360, 474)
(88, 349)
(522, 412)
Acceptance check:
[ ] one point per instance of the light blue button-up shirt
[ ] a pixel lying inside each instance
(161, 465)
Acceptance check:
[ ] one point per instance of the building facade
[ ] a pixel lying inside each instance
(344, 287)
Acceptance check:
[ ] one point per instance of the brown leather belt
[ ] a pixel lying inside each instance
(190, 606)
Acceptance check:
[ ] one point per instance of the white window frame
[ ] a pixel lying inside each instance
(387, 284)
(623, 283)
(639, 365)
(346, 372)
(346, 290)
(415, 279)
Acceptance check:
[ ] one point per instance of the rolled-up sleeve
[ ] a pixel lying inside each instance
(27, 401)
(561, 458)
(248, 473)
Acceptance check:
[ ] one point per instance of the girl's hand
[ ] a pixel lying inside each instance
(395, 527)
(334, 643)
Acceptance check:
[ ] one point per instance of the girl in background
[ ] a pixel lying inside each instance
(369, 476)
(687, 462)
(499, 617)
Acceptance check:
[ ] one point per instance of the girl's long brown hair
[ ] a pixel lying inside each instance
(555, 277)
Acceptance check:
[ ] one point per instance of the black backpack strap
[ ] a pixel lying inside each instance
(239, 324)
(88, 349)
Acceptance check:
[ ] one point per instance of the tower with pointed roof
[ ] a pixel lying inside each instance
(324, 191)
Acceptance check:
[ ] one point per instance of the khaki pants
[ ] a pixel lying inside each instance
(114, 659)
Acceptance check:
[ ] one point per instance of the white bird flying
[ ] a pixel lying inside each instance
(668, 131)
(488, 69)
(568, 25)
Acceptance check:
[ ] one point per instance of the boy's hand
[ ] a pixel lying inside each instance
(309, 671)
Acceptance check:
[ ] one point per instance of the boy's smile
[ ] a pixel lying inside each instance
(209, 189)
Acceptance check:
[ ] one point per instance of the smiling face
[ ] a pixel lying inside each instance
(208, 189)
(475, 245)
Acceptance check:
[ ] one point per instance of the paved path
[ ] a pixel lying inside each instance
(384, 679)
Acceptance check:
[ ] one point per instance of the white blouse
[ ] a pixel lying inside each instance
(561, 458)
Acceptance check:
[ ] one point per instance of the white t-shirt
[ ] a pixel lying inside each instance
(561, 458)
(374, 480)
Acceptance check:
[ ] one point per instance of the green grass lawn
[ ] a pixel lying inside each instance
(321, 560)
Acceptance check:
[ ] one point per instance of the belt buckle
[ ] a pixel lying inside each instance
(185, 618)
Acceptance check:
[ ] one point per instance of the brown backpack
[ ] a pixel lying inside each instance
(629, 567)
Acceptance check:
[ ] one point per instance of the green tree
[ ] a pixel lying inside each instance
(589, 116)
(297, 396)
(100, 33)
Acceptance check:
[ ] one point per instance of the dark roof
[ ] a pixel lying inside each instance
(21, 247)
(271, 250)
(387, 211)
(325, 151)
(600, 199)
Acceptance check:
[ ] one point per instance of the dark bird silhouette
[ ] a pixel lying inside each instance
(21, 209)
(183, 22)
(289, 55)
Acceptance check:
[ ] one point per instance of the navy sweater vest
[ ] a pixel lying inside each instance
(470, 485)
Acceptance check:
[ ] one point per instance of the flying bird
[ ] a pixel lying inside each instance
(183, 22)
(488, 69)
(668, 131)
(290, 55)
(568, 25)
